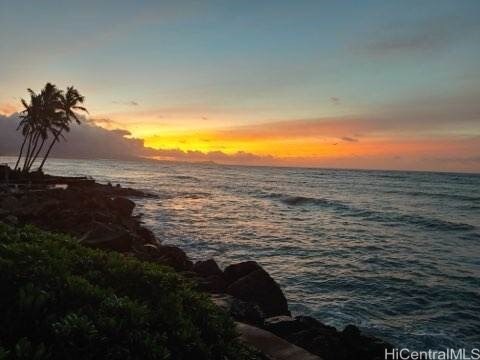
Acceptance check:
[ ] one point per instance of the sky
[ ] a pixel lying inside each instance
(370, 84)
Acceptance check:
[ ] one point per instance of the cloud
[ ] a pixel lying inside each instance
(91, 141)
(8, 109)
(104, 122)
(83, 141)
(421, 36)
(447, 153)
(335, 100)
(126, 103)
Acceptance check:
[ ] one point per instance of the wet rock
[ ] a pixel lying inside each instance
(260, 288)
(123, 206)
(236, 271)
(207, 268)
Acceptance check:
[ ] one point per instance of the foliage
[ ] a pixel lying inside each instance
(61, 300)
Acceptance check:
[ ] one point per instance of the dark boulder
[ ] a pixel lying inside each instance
(207, 268)
(122, 205)
(240, 310)
(169, 255)
(260, 288)
(236, 271)
(282, 325)
(213, 284)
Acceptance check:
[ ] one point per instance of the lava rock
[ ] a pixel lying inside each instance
(212, 284)
(173, 256)
(207, 268)
(260, 288)
(282, 325)
(236, 271)
(240, 310)
(123, 206)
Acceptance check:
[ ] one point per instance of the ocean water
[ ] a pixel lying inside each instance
(395, 253)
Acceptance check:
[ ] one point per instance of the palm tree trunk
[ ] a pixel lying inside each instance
(35, 144)
(38, 152)
(55, 138)
(21, 152)
(28, 152)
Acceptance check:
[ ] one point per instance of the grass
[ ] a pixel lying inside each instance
(61, 300)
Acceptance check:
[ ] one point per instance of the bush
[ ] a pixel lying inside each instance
(60, 300)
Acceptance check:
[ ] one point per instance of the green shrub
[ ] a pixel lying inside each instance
(60, 300)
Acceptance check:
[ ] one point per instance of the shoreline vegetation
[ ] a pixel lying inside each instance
(98, 219)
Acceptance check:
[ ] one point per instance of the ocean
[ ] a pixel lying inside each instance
(395, 253)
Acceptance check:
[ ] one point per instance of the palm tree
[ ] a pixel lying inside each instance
(68, 104)
(51, 114)
(26, 124)
(31, 118)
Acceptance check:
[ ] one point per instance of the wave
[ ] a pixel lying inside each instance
(435, 195)
(372, 215)
(185, 177)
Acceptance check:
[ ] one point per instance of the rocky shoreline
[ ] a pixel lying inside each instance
(101, 216)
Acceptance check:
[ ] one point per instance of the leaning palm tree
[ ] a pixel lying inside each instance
(26, 124)
(31, 119)
(68, 104)
(51, 114)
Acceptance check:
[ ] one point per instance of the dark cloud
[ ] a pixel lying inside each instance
(127, 103)
(349, 139)
(84, 141)
(335, 100)
(425, 36)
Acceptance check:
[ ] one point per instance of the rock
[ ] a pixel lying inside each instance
(282, 325)
(146, 234)
(172, 256)
(260, 288)
(207, 268)
(247, 312)
(351, 331)
(237, 271)
(10, 203)
(326, 341)
(212, 284)
(107, 237)
(272, 346)
(123, 206)
(240, 310)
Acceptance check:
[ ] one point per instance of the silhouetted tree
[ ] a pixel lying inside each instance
(49, 112)
(68, 103)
